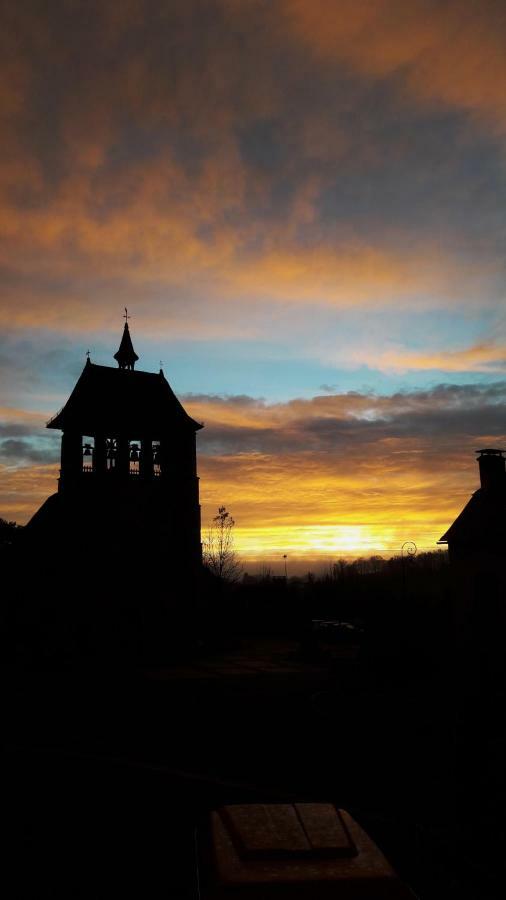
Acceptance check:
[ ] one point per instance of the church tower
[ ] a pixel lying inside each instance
(128, 474)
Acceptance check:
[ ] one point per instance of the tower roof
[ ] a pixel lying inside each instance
(126, 356)
(117, 401)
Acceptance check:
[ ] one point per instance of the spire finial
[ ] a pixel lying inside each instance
(126, 356)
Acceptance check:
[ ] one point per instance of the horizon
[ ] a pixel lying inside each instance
(304, 213)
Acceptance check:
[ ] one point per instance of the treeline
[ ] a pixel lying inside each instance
(353, 589)
(399, 608)
(62, 605)
(9, 533)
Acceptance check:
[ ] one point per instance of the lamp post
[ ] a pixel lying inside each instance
(285, 557)
(408, 549)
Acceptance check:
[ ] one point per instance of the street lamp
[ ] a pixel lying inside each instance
(408, 550)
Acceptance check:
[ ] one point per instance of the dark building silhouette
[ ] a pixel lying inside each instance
(480, 529)
(477, 552)
(128, 479)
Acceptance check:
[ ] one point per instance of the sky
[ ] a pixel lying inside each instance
(301, 203)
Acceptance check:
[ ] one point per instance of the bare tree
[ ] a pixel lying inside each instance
(218, 547)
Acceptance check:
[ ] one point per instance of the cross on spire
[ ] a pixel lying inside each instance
(126, 316)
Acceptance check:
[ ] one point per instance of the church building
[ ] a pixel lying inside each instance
(128, 478)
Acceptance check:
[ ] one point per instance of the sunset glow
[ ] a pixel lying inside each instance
(302, 204)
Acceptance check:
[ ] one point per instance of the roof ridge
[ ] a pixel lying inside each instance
(123, 371)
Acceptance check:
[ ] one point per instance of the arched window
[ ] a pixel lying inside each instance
(134, 455)
(88, 451)
(111, 447)
(156, 458)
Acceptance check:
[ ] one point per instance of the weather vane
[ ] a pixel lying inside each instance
(126, 316)
(87, 354)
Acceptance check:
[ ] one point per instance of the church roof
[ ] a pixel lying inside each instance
(117, 401)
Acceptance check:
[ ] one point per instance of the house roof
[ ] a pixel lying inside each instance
(481, 522)
(115, 401)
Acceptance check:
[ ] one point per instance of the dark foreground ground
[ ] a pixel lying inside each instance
(106, 774)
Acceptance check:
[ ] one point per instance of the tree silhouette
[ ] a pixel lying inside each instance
(9, 531)
(219, 554)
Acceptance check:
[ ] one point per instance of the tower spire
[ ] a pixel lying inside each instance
(126, 356)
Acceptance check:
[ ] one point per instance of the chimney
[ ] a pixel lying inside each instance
(492, 469)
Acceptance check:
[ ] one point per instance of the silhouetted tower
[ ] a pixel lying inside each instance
(128, 472)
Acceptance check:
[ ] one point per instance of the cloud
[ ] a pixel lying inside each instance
(450, 52)
(348, 474)
(343, 277)
(341, 423)
(24, 489)
(312, 475)
(487, 356)
(164, 246)
(176, 157)
(20, 451)
(19, 421)
(24, 439)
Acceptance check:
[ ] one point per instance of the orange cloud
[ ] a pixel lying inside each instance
(487, 356)
(151, 251)
(441, 52)
(23, 417)
(24, 489)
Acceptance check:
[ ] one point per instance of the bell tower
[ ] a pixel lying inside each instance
(128, 471)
